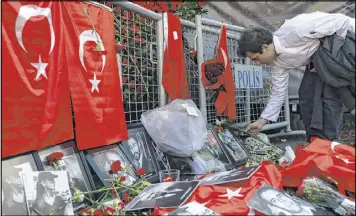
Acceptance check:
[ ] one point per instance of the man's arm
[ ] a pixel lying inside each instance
(280, 79)
(319, 25)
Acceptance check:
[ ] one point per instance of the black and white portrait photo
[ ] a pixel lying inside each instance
(214, 147)
(165, 195)
(48, 193)
(271, 201)
(163, 161)
(103, 157)
(234, 175)
(232, 145)
(13, 193)
(70, 163)
(137, 151)
(193, 208)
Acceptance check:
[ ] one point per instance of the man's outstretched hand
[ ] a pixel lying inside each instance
(257, 126)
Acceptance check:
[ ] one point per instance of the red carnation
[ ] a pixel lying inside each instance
(201, 4)
(121, 205)
(122, 178)
(116, 166)
(168, 179)
(140, 172)
(98, 212)
(84, 212)
(119, 47)
(132, 84)
(124, 79)
(55, 156)
(117, 9)
(126, 197)
(109, 211)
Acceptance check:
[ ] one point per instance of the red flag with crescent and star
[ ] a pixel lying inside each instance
(232, 198)
(324, 158)
(94, 75)
(35, 94)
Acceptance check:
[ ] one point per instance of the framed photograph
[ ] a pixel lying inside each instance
(13, 193)
(101, 159)
(271, 201)
(235, 175)
(165, 195)
(48, 193)
(139, 151)
(233, 146)
(70, 162)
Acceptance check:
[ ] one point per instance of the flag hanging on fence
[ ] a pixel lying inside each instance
(94, 76)
(323, 158)
(35, 102)
(174, 78)
(217, 75)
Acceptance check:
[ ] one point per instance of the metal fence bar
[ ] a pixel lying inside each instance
(287, 113)
(248, 101)
(138, 9)
(218, 24)
(200, 47)
(160, 50)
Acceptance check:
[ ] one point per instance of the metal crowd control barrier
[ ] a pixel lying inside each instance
(141, 67)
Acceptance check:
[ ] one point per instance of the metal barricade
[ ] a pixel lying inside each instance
(140, 31)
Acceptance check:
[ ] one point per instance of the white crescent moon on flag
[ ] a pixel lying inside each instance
(25, 13)
(224, 56)
(90, 35)
(333, 144)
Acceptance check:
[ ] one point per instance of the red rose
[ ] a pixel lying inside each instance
(116, 166)
(135, 28)
(122, 178)
(84, 212)
(55, 156)
(109, 211)
(126, 197)
(98, 212)
(121, 205)
(201, 4)
(219, 128)
(125, 62)
(132, 84)
(119, 47)
(117, 10)
(124, 79)
(140, 172)
(168, 179)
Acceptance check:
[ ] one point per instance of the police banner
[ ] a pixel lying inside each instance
(248, 76)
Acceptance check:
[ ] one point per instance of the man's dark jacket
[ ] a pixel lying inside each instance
(334, 62)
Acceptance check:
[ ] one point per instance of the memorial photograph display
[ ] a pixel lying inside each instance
(48, 193)
(233, 146)
(138, 151)
(70, 162)
(13, 193)
(101, 159)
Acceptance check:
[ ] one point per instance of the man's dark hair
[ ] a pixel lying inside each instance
(252, 40)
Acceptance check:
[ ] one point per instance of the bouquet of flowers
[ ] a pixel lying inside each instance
(325, 194)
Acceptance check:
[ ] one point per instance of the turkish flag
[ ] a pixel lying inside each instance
(225, 102)
(323, 158)
(94, 76)
(174, 78)
(232, 198)
(36, 108)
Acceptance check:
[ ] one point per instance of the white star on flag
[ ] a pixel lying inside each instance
(40, 68)
(229, 193)
(94, 84)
